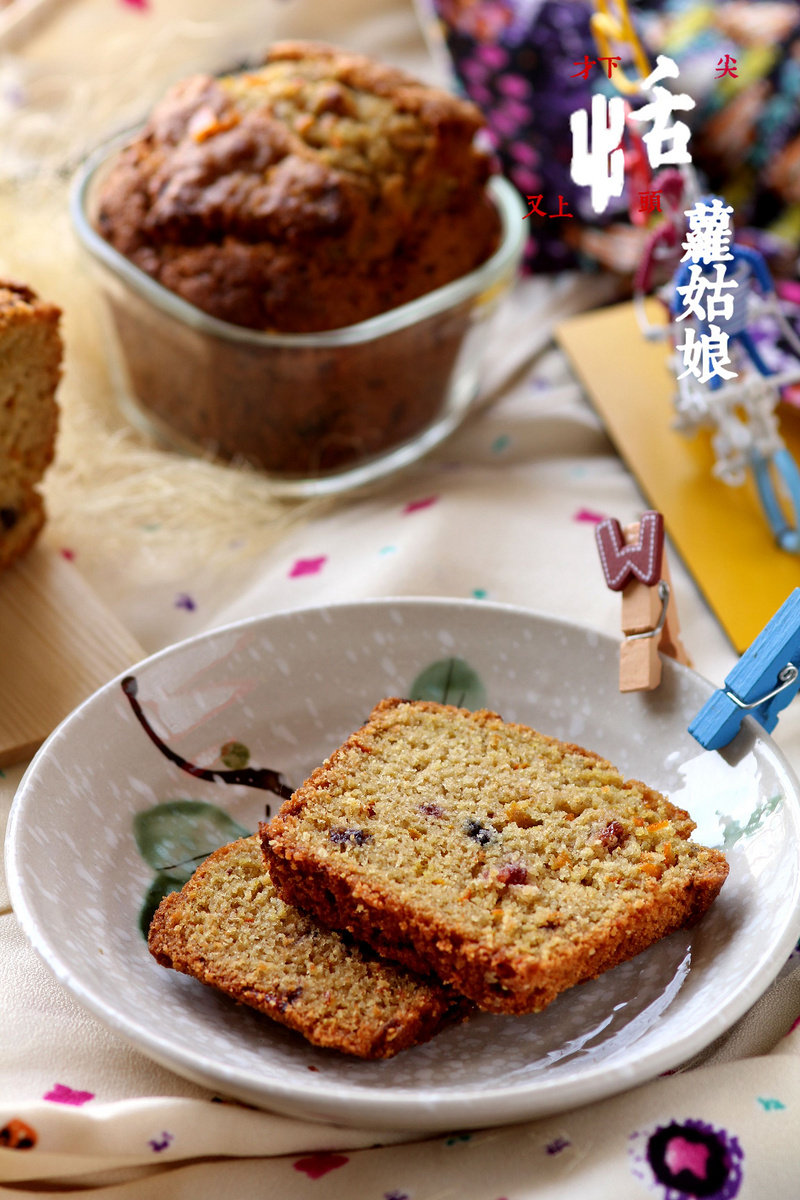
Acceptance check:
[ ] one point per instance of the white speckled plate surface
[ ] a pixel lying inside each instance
(289, 688)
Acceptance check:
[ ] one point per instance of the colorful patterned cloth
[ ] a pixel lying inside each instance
(519, 60)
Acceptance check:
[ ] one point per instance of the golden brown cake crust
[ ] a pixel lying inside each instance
(310, 193)
(509, 863)
(228, 928)
(30, 368)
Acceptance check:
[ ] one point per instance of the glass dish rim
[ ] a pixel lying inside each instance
(504, 195)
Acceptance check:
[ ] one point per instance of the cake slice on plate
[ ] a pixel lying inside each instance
(30, 368)
(229, 928)
(508, 863)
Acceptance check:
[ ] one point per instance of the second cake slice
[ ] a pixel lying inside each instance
(228, 928)
(510, 864)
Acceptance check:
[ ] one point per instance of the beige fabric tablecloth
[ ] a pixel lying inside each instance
(176, 547)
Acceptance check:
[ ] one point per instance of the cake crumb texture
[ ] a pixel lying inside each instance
(509, 863)
(311, 192)
(30, 368)
(228, 928)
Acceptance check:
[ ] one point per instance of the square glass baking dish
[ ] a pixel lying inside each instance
(318, 413)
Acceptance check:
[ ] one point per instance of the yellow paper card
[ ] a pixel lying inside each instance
(720, 531)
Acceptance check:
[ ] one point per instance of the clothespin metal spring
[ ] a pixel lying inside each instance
(786, 677)
(663, 594)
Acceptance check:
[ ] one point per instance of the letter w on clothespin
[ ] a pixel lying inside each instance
(634, 562)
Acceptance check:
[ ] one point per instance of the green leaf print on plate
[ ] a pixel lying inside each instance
(174, 838)
(235, 755)
(450, 681)
(180, 831)
(164, 883)
(734, 830)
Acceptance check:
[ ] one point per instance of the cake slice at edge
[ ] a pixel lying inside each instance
(336, 881)
(228, 928)
(30, 368)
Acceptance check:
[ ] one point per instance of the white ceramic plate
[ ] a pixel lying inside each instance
(289, 688)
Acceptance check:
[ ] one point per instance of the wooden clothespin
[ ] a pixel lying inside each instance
(764, 681)
(634, 563)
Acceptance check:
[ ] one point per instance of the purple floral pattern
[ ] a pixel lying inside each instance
(689, 1160)
(515, 60)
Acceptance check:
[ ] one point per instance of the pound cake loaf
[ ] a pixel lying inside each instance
(312, 192)
(510, 864)
(30, 368)
(229, 928)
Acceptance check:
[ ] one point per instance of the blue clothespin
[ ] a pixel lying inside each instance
(764, 681)
(779, 467)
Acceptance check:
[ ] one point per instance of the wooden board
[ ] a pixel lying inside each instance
(720, 531)
(19, 19)
(58, 644)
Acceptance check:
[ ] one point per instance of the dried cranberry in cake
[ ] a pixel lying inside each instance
(612, 835)
(512, 873)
